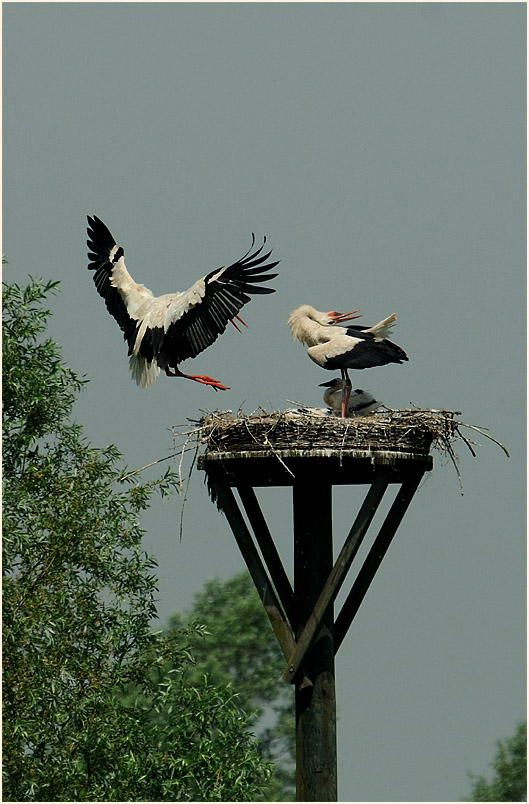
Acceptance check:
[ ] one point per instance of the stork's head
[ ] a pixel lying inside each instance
(302, 320)
(335, 385)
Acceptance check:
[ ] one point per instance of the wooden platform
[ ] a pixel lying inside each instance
(285, 467)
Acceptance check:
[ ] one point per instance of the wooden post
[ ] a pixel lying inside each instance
(316, 770)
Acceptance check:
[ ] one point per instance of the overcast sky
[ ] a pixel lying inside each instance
(380, 147)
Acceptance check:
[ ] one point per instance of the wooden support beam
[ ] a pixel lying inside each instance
(338, 573)
(268, 549)
(280, 626)
(375, 556)
(316, 770)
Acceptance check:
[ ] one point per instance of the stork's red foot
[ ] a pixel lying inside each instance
(201, 378)
(207, 381)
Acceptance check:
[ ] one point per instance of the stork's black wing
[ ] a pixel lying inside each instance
(369, 351)
(103, 256)
(226, 291)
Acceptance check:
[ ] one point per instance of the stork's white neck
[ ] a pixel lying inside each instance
(309, 325)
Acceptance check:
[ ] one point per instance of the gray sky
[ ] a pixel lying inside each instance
(381, 150)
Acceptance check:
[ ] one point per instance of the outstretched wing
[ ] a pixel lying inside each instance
(113, 282)
(206, 308)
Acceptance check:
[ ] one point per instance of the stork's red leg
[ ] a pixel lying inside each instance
(201, 378)
(238, 319)
(346, 391)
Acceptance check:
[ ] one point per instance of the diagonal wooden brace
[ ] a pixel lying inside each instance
(268, 549)
(338, 573)
(280, 626)
(375, 556)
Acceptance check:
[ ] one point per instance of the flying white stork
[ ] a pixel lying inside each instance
(360, 402)
(334, 347)
(162, 331)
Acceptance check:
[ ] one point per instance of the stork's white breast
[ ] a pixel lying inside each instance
(162, 311)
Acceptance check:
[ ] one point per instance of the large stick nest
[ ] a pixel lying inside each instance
(304, 430)
(278, 433)
(410, 431)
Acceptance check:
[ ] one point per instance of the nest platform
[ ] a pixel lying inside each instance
(279, 447)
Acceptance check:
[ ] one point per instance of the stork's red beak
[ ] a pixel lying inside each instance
(339, 318)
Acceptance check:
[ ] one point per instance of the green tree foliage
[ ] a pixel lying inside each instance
(239, 648)
(509, 782)
(78, 596)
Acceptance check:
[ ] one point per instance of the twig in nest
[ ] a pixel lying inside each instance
(268, 444)
(482, 431)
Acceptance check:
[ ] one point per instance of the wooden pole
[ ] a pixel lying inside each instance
(316, 770)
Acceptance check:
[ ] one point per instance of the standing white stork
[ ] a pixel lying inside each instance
(162, 331)
(360, 402)
(334, 347)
